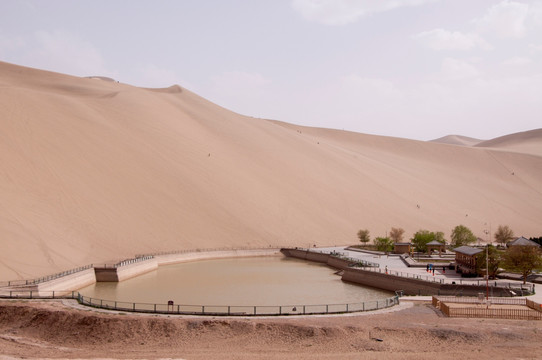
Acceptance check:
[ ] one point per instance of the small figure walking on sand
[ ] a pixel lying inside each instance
(386, 269)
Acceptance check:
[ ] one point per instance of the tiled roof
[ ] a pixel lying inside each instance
(468, 250)
(522, 241)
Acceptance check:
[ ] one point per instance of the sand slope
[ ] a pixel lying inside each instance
(458, 140)
(94, 170)
(528, 142)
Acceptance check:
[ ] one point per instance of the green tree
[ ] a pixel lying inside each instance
(523, 260)
(494, 260)
(396, 234)
(462, 235)
(383, 244)
(363, 236)
(503, 234)
(422, 237)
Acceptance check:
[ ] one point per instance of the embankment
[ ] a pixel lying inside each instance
(378, 279)
(127, 269)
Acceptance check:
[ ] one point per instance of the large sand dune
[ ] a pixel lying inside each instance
(94, 170)
(528, 142)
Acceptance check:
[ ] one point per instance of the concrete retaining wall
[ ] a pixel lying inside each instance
(68, 283)
(389, 282)
(120, 273)
(167, 259)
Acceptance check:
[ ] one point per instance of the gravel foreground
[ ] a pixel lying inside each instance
(413, 330)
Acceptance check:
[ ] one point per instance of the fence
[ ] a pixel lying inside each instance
(518, 287)
(125, 262)
(45, 278)
(137, 258)
(214, 310)
(488, 312)
(491, 313)
(260, 310)
(534, 305)
(172, 252)
(478, 300)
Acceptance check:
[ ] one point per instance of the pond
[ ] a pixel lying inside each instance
(254, 281)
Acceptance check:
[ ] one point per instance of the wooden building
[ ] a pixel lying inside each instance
(465, 259)
(401, 248)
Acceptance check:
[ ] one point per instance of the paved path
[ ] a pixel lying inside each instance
(395, 265)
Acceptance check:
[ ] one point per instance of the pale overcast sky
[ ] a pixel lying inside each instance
(418, 69)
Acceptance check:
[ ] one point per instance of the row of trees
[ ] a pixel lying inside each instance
(518, 259)
(460, 236)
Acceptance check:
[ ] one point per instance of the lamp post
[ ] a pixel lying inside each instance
(487, 275)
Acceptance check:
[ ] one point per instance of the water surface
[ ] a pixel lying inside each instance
(255, 281)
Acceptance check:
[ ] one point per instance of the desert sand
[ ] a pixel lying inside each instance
(93, 170)
(410, 331)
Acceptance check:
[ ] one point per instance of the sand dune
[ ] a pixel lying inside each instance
(458, 140)
(97, 170)
(527, 142)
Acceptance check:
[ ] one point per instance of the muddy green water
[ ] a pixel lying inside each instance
(240, 281)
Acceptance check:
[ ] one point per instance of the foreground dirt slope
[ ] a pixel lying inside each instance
(49, 329)
(94, 170)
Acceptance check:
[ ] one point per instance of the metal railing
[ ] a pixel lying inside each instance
(239, 310)
(340, 255)
(45, 278)
(212, 310)
(522, 289)
(125, 262)
(200, 250)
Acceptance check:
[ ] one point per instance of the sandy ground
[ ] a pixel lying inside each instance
(412, 330)
(94, 171)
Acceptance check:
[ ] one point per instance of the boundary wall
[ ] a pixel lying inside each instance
(381, 280)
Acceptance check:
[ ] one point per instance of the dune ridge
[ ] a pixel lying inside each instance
(99, 170)
(458, 140)
(528, 142)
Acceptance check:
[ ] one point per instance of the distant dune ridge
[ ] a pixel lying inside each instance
(93, 171)
(458, 140)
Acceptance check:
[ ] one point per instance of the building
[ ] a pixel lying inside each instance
(401, 248)
(522, 241)
(465, 260)
(436, 245)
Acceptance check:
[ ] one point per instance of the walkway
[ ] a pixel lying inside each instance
(397, 266)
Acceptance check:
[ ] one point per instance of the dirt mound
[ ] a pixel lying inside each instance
(49, 329)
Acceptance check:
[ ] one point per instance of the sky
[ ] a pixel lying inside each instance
(417, 69)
